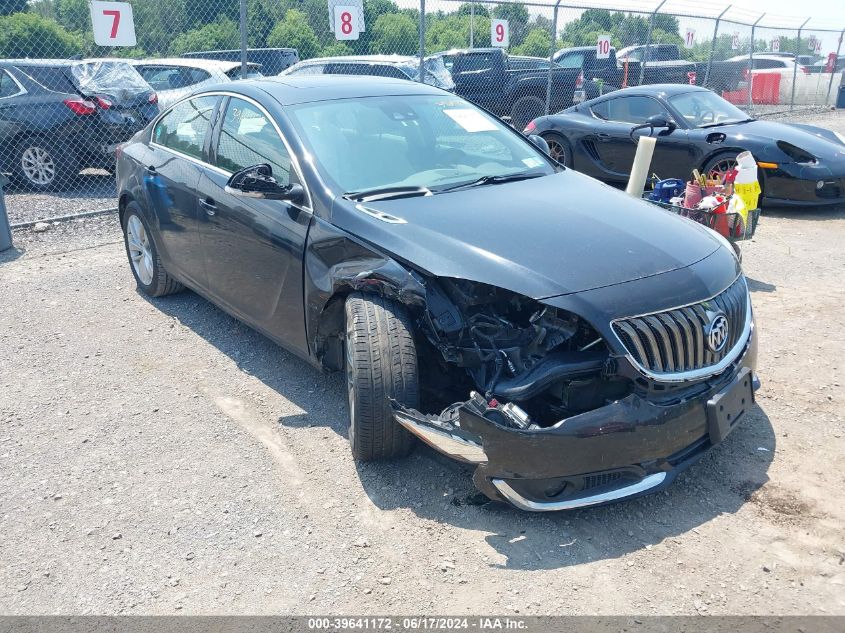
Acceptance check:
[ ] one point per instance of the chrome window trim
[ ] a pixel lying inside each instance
(703, 372)
(21, 89)
(226, 93)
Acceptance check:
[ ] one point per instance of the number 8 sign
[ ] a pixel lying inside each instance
(346, 22)
(113, 24)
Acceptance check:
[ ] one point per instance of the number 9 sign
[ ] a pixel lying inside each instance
(499, 35)
(113, 24)
(346, 22)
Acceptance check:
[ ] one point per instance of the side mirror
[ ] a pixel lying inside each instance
(258, 182)
(660, 120)
(540, 142)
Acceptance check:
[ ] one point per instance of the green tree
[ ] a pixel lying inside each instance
(74, 15)
(336, 49)
(467, 8)
(294, 31)
(452, 31)
(29, 35)
(537, 43)
(198, 13)
(7, 7)
(517, 17)
(223, 33)
(395, 33)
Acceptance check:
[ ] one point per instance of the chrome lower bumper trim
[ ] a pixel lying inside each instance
(443, 441)
(647, 483)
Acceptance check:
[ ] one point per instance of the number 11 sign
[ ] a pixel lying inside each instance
(113, 24)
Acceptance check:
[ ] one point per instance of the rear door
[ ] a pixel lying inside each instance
(253, 247)
(178, 149)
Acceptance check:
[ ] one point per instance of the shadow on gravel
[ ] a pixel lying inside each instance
(817, 214)
(10, 254)
(440, 490)
(88, 185)
(759, 286)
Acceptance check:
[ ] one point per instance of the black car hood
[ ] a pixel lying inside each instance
(542, 237)
(814, 140)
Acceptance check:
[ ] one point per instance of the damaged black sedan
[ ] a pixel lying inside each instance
(575, 345)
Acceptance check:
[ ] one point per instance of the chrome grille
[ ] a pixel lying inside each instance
(675, 341)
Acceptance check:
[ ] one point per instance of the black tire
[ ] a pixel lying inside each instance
(526, 109)
(559, 148)
(160, 283)
(381, 363)
(63, 164)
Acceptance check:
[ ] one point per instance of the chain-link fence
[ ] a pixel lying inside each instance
(68, 97)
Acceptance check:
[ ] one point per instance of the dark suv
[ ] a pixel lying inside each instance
(58, 117)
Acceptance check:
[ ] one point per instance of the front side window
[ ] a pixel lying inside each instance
(8, 86)
(248, 138)
(634, 110)
(411, 141)
(183, 129)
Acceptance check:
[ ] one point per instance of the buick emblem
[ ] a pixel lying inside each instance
(717, 333)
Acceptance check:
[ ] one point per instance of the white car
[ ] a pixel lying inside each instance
(175, 78)
(772, 62)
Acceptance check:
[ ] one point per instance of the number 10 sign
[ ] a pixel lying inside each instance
(113, 24)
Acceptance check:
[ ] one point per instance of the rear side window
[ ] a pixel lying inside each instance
(249, 138)
(572, 60)
(474, 61)
(52, 78)
(372, 70)
(765, 64)
(8, 86)
(632, 109)
(183, 129)
(309, 69)
(172, 77)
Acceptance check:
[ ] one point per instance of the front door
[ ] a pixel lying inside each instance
(253, 248)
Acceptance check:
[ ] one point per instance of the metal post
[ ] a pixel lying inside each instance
(551, 59)
(713, 46)
(795, 66)
(244, 42)
(833, 72)
(648, 41)
(422, 42)
(472, 24)
(5, 230)
(751, 63)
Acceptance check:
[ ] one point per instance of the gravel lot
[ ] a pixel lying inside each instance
(159, 457)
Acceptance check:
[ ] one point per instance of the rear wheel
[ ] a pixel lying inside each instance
(146, 265)
(526, 109)
(559, 148)
(381, 364)
(44, 165)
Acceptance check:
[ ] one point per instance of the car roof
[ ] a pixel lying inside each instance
(192, 62)
(61, 62)
(578, 49)
(361, 59)
(295, 89)
(657, 90)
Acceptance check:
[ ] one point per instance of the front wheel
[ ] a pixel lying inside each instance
(381, 364)
(718, 166)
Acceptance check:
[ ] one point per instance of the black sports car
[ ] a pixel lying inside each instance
(593, 345)
(695, 128)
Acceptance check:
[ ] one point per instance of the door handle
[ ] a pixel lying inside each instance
(603, 136)
(209, 206)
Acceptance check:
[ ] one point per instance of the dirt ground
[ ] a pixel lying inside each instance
(158, 457)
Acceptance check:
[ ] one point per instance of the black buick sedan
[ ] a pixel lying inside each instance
(575, 345)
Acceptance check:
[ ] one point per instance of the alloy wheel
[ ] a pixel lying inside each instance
(138, 243)
(557, 151)
(38, 165)
(722, 167)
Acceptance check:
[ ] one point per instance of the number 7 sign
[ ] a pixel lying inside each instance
(113, 23)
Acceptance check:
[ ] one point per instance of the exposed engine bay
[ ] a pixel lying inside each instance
(532, 364)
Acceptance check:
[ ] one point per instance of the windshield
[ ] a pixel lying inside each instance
(429, 141)
(705, 108)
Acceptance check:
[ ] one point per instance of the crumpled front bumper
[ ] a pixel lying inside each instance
(627, 448)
